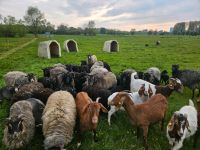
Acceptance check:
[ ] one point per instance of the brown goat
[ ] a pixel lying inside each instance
(88, 113)
(142, 115)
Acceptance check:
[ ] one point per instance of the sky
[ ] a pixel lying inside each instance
(113, 14)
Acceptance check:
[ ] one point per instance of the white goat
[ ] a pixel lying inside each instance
(183, 124)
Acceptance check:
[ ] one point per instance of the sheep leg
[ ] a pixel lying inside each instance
(145, 132)
(162, 124)
(95, 135)
(199, 93)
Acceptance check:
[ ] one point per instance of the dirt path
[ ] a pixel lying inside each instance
(9, 52)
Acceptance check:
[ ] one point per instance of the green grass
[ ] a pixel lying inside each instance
(9, 43)
(121, 135)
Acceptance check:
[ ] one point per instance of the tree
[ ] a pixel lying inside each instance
(34, 18)
(132, 31)
(90, 28)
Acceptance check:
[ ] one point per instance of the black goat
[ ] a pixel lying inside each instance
(189, 78)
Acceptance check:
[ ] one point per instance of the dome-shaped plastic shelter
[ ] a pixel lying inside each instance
(111, 46)
(49, 49)
(70, 46)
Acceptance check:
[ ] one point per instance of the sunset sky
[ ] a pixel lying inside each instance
(115, 14)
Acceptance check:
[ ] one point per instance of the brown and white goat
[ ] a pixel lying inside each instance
(137, 98)
(142, 115)
(88, 113)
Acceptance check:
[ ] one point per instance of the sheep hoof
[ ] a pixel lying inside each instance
(78, 144)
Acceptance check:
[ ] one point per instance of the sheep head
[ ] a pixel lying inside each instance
(14, 125)
(147, 92)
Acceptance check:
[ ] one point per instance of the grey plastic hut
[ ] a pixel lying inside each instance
(111, 46)
(49, 49)
(70, 46)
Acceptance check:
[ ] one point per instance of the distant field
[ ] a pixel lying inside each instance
(9, 43)
(182, 50)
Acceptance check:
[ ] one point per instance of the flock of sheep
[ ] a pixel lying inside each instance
(70, 94)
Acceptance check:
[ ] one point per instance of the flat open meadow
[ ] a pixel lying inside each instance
(121, 135)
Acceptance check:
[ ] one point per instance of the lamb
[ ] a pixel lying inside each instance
(189, 78)
(59, 117)
(182, 125)
(137, 98)
(88, 113)
(20, 126)
(18, 78)
(142, 115)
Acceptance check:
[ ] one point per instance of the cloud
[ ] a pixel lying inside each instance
(124, 15)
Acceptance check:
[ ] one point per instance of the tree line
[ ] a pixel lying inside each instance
(187, 28)
(35, 23)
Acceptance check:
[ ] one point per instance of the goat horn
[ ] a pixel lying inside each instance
(97, 100)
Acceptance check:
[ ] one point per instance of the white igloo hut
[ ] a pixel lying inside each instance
(71, 46)
(111, 46)
(49, 49)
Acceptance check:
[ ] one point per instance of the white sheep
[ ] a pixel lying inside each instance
(59, 117)
(183, 124)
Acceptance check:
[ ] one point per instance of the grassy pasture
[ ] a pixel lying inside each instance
(184, 50)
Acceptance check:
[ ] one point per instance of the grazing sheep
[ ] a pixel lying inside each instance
(189, 78)
(56, 71)
(142, 115)
(18, 78)
(26, 91)
(157, 43)
(137, 98)
(88, 113)
(59, 117)
(20, 126)
(183, 124)
(164, 77)
(106, 81)
(152, 75)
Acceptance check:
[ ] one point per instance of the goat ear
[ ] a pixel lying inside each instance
(103, 108)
